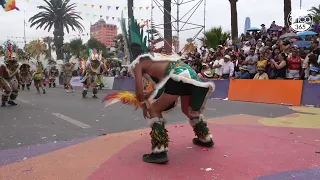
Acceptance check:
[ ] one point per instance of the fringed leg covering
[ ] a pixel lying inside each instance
(84, 92)
(13, 96)
(204, 138)
(23, 86)
(95, 92)
(4, 99)
(159, 142)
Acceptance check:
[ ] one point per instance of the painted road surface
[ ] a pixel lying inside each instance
(62, 136)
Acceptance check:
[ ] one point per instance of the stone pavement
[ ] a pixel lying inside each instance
(247, 147)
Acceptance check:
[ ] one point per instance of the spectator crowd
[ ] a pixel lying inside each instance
(259, 55)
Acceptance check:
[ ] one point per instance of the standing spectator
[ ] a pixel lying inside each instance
(314, 74)
(263, 31)
(251, 62)
(260, 46)
(294, 64)
(261, 74)
(279, 67)
(227, 67)
(243, 74)
(316, 49)
(246, 48)
(217, 65)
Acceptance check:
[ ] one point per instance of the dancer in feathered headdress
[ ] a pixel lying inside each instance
(9, 74)
(173, 79)
(93, 70)
(39, 77)
(67, 69)
(26, 75)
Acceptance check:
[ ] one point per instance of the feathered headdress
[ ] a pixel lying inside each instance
(10, 51)
(94, 55)
(136, 39)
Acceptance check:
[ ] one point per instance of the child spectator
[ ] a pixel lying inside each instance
(314, 74)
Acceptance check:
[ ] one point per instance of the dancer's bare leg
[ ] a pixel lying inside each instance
(41, 84)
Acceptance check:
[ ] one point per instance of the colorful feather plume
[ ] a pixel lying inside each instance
(123, 97)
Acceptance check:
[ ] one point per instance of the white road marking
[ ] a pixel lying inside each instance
(70, 120)
(24, 101)
(211, 109)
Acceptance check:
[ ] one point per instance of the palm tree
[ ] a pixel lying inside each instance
(234, 19)
(216, 36)
(286, 11)
(315, 12)
(58, 14)
(167, 26)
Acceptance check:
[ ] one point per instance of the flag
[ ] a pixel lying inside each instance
(10, 5)
(3, 3)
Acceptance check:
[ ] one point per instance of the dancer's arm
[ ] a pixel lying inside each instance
(139, 87)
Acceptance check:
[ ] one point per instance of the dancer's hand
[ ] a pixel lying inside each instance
(145, 113)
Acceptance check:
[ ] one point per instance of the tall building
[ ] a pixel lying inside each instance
(103, 32)
(247, 24)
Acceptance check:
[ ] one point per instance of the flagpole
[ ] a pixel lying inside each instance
(24, 27)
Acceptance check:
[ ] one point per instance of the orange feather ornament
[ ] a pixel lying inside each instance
(123, 97)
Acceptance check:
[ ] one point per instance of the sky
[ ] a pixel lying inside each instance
(217, 14)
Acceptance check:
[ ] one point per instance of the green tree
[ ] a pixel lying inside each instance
(1, 51)
(59, 15)
(49, 41)
(315, 12)
(216, 36)
(76, 46)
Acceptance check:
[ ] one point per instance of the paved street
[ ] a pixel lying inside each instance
(46, 134)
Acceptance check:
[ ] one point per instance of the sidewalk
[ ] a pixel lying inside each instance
(247, 147)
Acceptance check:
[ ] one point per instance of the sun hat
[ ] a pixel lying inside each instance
(314, 69)
(227, 56)
(244, 68)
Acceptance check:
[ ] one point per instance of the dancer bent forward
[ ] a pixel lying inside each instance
(9, 75)
(173, 79)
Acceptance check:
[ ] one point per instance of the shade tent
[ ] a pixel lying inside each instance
(288, 35)
(306, 33)
(253, 29)
(302, 44)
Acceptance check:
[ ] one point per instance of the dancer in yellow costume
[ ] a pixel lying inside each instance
(38, 77)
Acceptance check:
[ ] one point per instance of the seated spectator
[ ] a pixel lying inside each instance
(227, 67)
(206, 71)
(314, 74)
(246, 48)
(261, 74)
(243, 74)
(279, 68)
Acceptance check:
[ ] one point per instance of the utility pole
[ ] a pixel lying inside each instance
(178, 27)
(130, 15)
